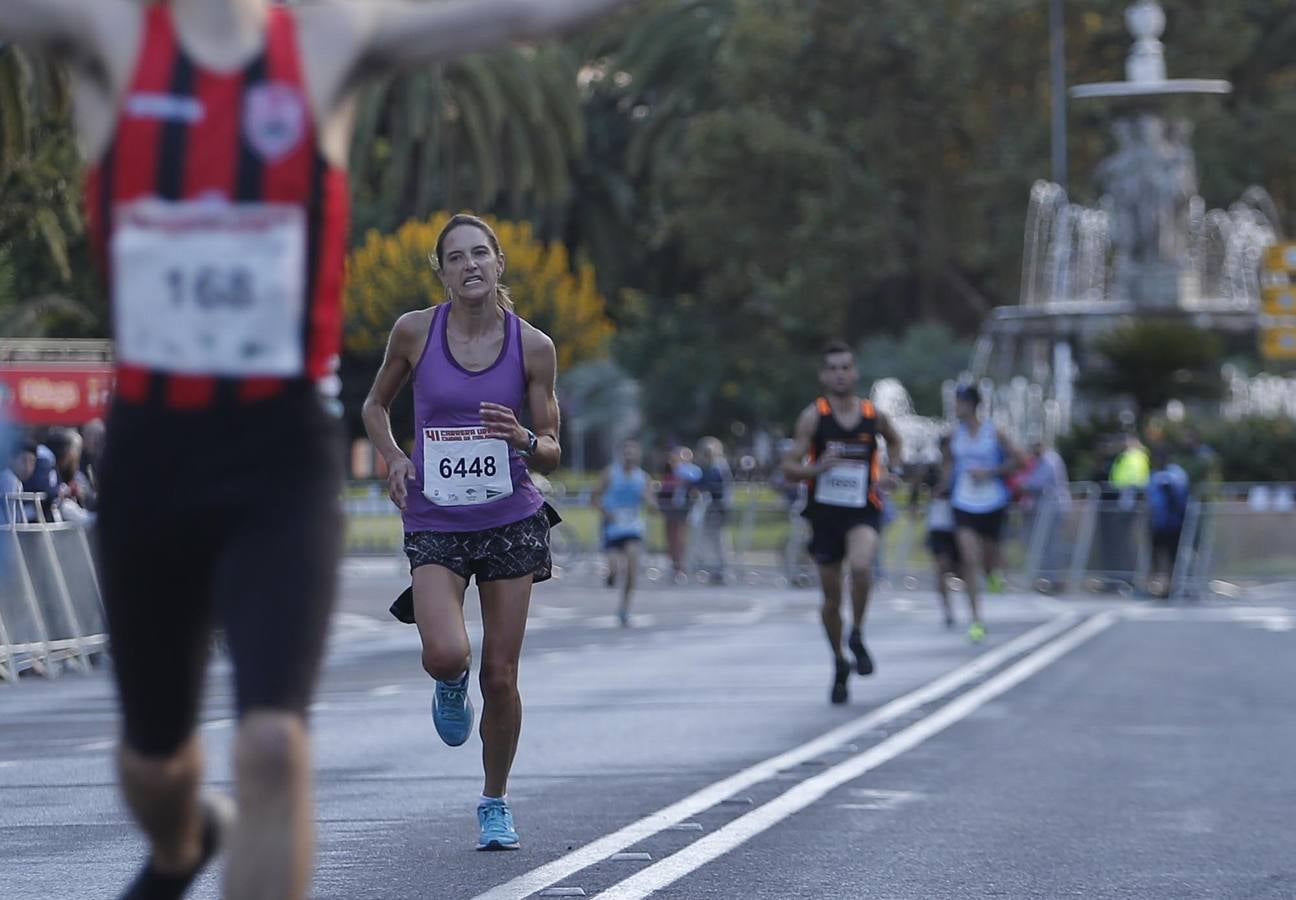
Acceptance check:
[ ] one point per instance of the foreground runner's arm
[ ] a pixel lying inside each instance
(66, 25)
(393, 374)
(794, 464)
(541, 362)
(1014, 457)
(895, 447)
(596, 495)
(407, 34)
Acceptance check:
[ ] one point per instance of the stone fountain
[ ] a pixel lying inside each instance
(1149, 249)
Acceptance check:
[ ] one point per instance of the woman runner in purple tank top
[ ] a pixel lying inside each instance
(466, 497)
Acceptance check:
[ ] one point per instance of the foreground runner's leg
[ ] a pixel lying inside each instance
(505, 604)
(969, 548)
(156, 883)
(162, 793)
(861, 550)
(830, 577)
(447, 654)
(630, 561)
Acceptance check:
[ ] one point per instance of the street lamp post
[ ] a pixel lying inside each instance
(1057, 64)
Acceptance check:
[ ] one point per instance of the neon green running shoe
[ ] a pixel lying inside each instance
(995, 583)
(977, 633)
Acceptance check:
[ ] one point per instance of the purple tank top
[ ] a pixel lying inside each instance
(448, 396)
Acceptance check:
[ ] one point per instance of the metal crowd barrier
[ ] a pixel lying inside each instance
(1243, 537)
(51, 611)
(1095, 540)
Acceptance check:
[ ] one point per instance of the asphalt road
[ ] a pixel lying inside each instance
(1095, 749)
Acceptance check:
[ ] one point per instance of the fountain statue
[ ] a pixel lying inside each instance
(1149, 248)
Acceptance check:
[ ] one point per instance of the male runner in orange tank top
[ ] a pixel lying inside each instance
(835, 447)
(217, 131)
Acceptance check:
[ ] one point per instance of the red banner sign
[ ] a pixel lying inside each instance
(54, 393)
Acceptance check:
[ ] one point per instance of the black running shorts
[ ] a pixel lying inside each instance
(218, 520)
(989, 525)
(493, 554)
(829, 526)
(943, 545)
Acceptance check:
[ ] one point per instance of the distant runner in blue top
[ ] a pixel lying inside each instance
(623, 492)
(980, 458)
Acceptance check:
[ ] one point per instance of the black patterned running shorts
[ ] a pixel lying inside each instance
(494, 554)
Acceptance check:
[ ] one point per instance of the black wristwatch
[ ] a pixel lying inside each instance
(532, 443)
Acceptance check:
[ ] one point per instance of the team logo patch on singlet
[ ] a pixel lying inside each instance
(274, 119)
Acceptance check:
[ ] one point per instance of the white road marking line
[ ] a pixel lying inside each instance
(217, 724)
(1246, 615)
(97, 746)
(737, 832)
(879, 800)
(749, 616)
(600, 849)
(386, 690)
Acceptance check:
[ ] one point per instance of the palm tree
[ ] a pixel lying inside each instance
(645, 78)
(40, 219)
(475, 132)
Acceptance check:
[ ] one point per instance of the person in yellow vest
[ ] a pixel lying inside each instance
(1129, 475)
(1132, 467)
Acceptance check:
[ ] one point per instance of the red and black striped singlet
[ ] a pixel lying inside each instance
(241, 141)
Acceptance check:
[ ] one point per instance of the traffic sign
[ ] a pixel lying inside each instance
(1278, 301)
(1278, 343)
(1280, 257)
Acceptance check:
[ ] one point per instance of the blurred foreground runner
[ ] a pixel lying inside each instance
(217, 132)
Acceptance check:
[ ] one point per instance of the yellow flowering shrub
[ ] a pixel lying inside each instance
(389, 274)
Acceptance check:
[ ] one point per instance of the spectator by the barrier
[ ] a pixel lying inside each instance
(675, 493)
(71, 488)
(20, 463)
(715, 481)
(1121, 533)
(1046, 496)
(1130, 470)
(93, 434)
(44, 480)
(1167, 497)
(1202, 463)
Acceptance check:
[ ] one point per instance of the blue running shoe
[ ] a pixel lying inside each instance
(496, 826)
(452, 710)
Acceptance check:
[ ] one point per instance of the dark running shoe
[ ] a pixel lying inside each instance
(863, 662)
(218, 817)
(839, 694)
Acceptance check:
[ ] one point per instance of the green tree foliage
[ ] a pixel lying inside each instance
(1154, 362)
(1255, 448)
(46, 282)
(389, 275)
(480, 131)
(854, 172)
(923, 358)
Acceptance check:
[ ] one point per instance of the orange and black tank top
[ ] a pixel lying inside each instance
(220, 227)
(857, 447)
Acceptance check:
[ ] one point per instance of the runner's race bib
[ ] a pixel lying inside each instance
(940, 516)
(210, 288)
(845, 484)
(464, 467)
(969, 492)
(623, 518)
